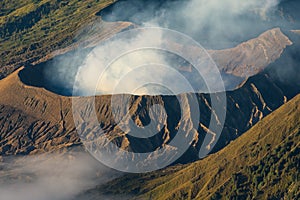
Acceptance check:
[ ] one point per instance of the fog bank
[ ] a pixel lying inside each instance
(54, 176)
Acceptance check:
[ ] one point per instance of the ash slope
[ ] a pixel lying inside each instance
(35, 120)
(261, 164)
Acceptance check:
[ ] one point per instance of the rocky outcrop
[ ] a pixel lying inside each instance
(261, 164)
(34, 119)
(253, 56)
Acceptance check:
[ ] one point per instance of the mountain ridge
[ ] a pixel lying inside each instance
(209, 178)
(56, 115)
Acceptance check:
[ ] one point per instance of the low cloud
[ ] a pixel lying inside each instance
(51, 176)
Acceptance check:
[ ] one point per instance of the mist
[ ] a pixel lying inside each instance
(214, 24)
(51, 176)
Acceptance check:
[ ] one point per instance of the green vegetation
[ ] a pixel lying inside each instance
(31, 29)
(261, 164)
(276, 176)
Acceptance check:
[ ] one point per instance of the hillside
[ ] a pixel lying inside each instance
(58, 143)
(261, 164)
(34, 119)
(31, 30)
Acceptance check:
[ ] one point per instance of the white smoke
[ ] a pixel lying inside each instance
(214, 23)
(208, 21)
(112, 71)
(220, 15)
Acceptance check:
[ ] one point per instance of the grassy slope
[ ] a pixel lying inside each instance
(31, 29)
(261, 164)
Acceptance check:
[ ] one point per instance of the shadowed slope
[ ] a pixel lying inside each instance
(43, 120)
(262, 164)
(34, 119)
